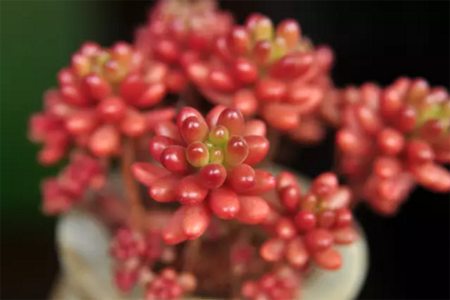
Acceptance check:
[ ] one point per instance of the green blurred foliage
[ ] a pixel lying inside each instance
(37, 38)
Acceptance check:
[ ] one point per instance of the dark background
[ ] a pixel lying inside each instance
(409, 254)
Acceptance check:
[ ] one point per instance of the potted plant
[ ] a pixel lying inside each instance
(172, 141)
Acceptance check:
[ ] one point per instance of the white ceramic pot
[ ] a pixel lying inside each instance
(83, 244)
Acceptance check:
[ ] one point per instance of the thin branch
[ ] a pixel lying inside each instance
(239, 235)
(191, 254)
(131, 189)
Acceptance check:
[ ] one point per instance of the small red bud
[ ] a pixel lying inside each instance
(328, 259)
(253, 210)
(262, 52)
(273, 250)
(112, 109)
(258, 147)
(233, 120)
(190, 191)
(134, 124)
(285, 229)
(238, 40)
(212, 175)
(245, 71)
(290, 31)
(325, 184)
(173, 232)
(241, 178)
(255, 127)
(432, 176)
(147, 173)
(344, 218)
(105, 141)
(98, 88)
(221, 81)
(290, 197)
(197, 154)
(245, 101)
(318, 240)
(236, 151)
(196, 220)
(272, 111)
(151, 96)
(265, 182)
(224, 203)
(164, 189)
(219, 135)
(305, 220)
(296, 253)
(270, 90)
(158, 144)
(419, 151)
(173, 158)
(390, 141)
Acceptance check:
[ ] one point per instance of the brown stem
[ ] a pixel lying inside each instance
(235, 281)
(189, 97)
(131, 189)
(191, 254)
(241, 234)
(274, 137)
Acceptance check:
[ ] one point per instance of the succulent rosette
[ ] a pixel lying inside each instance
(264, 70)
(207, 167)
(69, 188)
(179, 31)
(304, 227)
(204, 184)
(394, 138)
(103, 95)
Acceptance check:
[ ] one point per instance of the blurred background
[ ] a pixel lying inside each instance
(372, 41)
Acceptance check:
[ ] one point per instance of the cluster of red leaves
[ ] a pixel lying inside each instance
(178, 32)
(207, 167)
(48, 128)
(135, 253)
(168, 285)
(389, 140)
(61, 193)
(305, 227)
(282, 284)
(270, 71)
(392, 139)
(102, 96)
